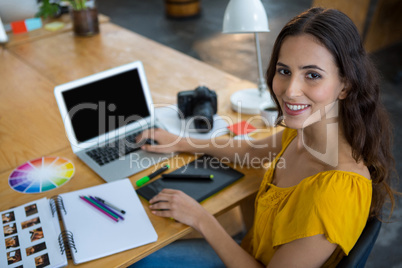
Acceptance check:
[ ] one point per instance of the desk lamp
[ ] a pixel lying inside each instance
(248, 16)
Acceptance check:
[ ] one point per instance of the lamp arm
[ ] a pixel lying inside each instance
(262, 85)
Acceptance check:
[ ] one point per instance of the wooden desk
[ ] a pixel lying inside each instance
(31, 126)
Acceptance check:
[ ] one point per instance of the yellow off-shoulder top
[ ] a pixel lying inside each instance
(334, 203)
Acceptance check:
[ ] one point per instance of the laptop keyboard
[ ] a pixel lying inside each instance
(114, 150)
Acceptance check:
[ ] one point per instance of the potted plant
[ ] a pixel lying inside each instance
(84, 16)
(48, 10)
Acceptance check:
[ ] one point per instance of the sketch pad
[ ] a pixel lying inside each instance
(36, 231)
(197, 189)
(96, 236)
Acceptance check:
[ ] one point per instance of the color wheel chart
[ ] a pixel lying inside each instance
(41, 175)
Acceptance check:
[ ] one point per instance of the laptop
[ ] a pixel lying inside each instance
(103, 113)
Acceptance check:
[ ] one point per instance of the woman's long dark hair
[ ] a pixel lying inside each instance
(364, 119)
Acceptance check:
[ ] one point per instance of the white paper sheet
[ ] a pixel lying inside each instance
(168, 116)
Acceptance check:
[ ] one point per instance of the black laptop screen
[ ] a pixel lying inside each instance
(105, 105)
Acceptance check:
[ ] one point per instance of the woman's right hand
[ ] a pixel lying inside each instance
(165, 142)
(175, 204)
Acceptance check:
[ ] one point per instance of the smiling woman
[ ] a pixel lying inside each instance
(364, 122)
(331, 171)
(306, 80)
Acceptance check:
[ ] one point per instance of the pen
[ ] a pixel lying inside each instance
(146, 179)
(110, 205)
(188, 176)
(88, 201)
(108, 209)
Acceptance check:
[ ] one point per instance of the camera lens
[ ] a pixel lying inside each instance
(203, 120)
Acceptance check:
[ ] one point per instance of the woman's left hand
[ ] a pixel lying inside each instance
(179, 206)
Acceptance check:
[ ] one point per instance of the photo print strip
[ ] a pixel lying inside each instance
(35, 249)
(8, 217)
(30, 223)
(12, 242)
(31, 210)
(13, 256)
(10, 229)
(42, 261)
(36, 234)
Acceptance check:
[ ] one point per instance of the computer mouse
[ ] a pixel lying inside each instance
(150, 142)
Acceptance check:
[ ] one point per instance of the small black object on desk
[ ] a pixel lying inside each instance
(188, 176)
(150, 142)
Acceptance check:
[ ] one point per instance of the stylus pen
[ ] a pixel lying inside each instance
(108, 209)
(188, 176)
(88, 201)
(110, 205)
(146, 179)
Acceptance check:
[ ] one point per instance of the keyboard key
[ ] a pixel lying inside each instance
(114, 150)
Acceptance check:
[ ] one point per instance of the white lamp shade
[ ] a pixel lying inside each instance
(245, 16)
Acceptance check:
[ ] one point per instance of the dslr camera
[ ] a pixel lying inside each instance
(200, 103)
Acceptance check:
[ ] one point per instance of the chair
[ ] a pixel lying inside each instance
(359, 254)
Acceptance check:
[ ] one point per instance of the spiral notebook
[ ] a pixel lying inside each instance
(32, 236)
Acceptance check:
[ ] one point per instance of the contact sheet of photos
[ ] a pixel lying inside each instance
(29, 237)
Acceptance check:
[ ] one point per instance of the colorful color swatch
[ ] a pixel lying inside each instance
(41, 175)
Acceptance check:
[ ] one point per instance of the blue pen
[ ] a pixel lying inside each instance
(106, 207)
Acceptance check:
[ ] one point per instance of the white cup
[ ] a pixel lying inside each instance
(269, 115)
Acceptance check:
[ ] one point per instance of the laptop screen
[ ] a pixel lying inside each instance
(105, 105)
